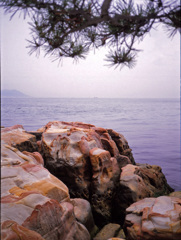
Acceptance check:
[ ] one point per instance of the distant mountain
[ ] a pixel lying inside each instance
(13, 94)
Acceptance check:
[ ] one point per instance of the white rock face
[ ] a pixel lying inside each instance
(154, 218)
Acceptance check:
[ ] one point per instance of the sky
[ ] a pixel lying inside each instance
(156, 74)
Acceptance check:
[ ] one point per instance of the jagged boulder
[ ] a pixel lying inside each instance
(138, 182)
(83, 214)
(34, 203)
(87, 160)
(154, 218)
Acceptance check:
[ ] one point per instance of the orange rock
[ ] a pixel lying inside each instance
(10, 230)
(154, 218)
(36, 155)
(85, 158)
(33, 202)
(28, 176)
(138, 182)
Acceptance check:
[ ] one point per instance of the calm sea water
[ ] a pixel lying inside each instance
(151, 126)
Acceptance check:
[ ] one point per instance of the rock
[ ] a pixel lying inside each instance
(95, 164)
(121, 234)
(17, 137)
(87, 160)
(83, 214)
(138, 182)
(108, 231)
(154, 218)
(121, 144)
(116, 238)
(175, 194)
(56, 221)
(35, 155)
(105, 173)
(34, 203)
(23, 173)
(38, 134)
(12, 230)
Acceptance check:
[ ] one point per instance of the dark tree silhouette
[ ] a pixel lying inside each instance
(70, 28)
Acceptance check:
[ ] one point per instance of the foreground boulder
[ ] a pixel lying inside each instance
(87, 160)
(138, 182)
(154, 218)
(83, 214)
(22, 173)
(34, 203)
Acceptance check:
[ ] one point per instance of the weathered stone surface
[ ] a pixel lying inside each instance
(122, 144)
(175, 194)
(87, 160)
(56, 221)
(105, 173)
(95, 163)
(138, 182)
(83, 214)
(34, 203)
(17, 137)
(10, 230)
(23, 173)
(108, 231)
(154, 218)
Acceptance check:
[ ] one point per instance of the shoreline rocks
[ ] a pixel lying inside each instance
(33, 199)
(85, 157)
(138, 182)
(154, 218)
(79, 176)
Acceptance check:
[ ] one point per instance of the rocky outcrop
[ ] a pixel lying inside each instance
(22, 173)
(17, 137)
(138, 182)
(34, 203)
(87, 160)
(154, 218)
(89, 163)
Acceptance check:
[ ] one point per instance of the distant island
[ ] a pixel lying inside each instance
(5, 93)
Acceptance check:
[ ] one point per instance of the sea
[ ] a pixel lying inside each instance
(151, 126)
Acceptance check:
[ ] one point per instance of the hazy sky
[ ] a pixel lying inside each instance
(156, 74)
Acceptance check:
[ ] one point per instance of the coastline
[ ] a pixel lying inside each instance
(81, 155)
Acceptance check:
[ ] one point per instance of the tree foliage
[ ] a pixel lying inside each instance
(70, 28)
